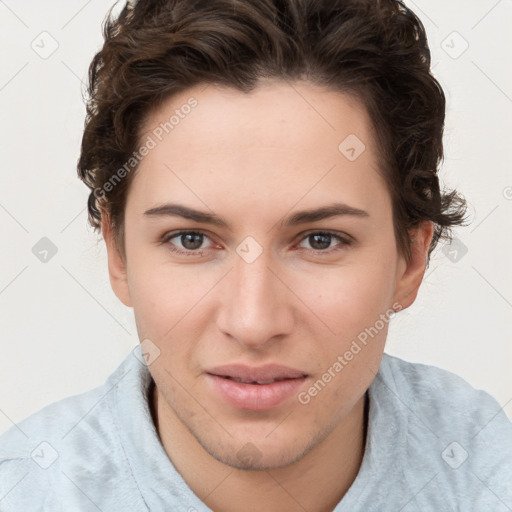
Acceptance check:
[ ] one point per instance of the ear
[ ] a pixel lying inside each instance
(410, 272)
(116, 263)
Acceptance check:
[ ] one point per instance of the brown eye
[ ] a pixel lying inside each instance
(191, 241)
(322, 241)
(187, 242)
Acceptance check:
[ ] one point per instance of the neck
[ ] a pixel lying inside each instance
(317, 482)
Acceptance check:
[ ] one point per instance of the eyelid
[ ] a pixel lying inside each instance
(344, 241)
(337, 234)
(172, 234)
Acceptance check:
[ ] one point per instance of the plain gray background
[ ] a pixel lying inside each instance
(62, 330)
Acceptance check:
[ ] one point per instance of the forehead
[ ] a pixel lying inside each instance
(278, 144)
(276, 115)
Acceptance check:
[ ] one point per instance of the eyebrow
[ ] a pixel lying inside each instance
(302, 217)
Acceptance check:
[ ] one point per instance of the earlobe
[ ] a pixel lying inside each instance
(410, 272)
(116, 264)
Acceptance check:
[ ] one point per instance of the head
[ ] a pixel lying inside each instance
(265, 175)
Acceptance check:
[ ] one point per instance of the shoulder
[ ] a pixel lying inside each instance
(45, 458)
(60, 420)
(455, 434)
(31, 450)
(440, 395)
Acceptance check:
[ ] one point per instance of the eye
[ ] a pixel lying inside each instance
(187, 242)
(321, 241)
(194, 243)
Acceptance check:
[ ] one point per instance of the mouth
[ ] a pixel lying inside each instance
(255, 388)
(256, 374)
(248, 381)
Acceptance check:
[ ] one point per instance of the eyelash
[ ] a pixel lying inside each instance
(344, 241)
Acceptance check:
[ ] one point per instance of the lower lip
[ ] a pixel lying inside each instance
(255, 397)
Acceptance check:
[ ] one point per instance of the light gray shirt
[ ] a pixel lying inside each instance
(434, 443)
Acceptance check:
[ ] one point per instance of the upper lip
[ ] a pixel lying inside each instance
(266, 372)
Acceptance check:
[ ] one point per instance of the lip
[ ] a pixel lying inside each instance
(255, 396)
(266, 372)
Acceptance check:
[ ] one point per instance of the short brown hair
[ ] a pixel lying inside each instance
(374, 49)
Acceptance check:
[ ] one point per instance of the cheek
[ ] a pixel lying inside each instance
(354, 308)
(164, 295)
(169, 309)
(349, 299)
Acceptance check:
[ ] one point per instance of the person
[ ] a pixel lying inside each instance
(265, 177)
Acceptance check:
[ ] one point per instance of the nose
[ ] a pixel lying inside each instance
(257, 308)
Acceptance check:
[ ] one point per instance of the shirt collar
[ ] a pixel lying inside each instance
(161, 484)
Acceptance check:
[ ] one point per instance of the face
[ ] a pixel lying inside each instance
(262, 266)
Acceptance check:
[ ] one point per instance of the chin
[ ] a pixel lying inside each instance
(259, 453)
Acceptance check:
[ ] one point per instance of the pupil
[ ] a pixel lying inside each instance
(192, 240)
(320, 241)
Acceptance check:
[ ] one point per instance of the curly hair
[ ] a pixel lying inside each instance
(376, 50)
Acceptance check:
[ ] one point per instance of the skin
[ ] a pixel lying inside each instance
(255, 160)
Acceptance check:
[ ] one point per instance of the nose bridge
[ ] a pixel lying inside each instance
(255, 308)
